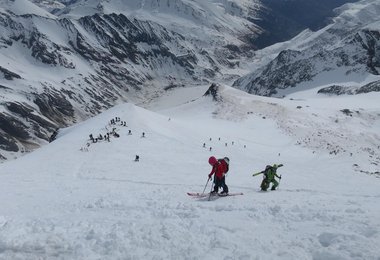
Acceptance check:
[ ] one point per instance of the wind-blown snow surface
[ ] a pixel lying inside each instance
(63, 203)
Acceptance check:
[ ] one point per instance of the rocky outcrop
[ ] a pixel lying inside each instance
(371, 87)
(344, 90)
(22, 124)
(213, 91)
(9, 75)
(13, 127)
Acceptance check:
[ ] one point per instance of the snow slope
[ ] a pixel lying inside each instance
(68, 200)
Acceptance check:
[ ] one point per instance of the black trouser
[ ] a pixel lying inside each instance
(264, 185)
(220, 183)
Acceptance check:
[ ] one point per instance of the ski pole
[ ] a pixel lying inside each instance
(212, 187)
(255, 174)
(205, 186)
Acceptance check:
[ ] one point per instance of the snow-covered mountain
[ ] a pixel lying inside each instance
(64, 61)
(347, 52)
(58, 69)
(75, 199)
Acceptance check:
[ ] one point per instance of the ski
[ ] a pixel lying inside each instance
(230, 194)
(197, 194)
(202, 195)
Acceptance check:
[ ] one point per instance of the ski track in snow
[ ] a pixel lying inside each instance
(62, 203)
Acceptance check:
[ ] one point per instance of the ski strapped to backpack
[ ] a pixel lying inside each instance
(268, 167)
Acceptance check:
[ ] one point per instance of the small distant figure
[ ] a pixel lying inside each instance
(225, 144)
(125, 123)
(116, 135)
(137, 158)
(279, 154)
(100, 137)
(245, 146)
(210, 148)
(92, 138)
(210, 138)
(143, 135)
(129, 132)
(219, 138)
(204, 145)
(169, 119)
(232, 142)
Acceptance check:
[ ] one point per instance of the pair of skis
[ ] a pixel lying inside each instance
(209, 195)
(204, 195)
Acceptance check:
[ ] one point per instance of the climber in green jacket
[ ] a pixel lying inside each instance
(270, 173)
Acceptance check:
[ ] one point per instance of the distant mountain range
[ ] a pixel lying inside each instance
(348, 50)
(282, 20)
(64, 61)
(60, 67)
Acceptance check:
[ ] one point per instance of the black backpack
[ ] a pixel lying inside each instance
(267, 169)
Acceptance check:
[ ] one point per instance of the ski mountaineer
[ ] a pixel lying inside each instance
(270, 173)
(219, 168)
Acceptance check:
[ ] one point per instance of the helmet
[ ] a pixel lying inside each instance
(212, 160)
(268, 167)
(274, 165)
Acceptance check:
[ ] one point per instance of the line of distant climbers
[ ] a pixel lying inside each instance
(225, 144)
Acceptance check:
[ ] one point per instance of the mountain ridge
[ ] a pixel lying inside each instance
(56, 71)
(349, 48)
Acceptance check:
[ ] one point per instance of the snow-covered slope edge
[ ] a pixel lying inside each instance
(345, 51)
(346, 126)
(70, 203)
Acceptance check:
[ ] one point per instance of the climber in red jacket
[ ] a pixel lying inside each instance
(219, 168)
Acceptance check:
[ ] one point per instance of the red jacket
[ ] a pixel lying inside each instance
(219, 168)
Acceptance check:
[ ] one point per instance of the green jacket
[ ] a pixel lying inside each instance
(271, 171)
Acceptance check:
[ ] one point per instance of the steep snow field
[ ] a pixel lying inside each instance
(68, 200)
